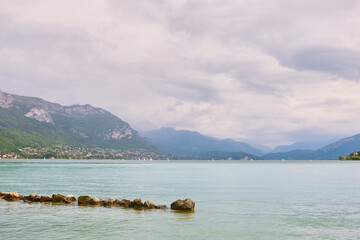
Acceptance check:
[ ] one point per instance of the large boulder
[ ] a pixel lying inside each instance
(32, 198)
(148, 205)
(61, 199)
(12, 196)
(84, 199)
(183, 205)
(45, 199)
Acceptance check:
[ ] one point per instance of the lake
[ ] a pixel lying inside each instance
(234, 199)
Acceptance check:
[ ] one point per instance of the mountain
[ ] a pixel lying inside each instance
(184, 142)
(292, 155)
(34, 122)
(300, 146)
(331, 151)
(264, 149)
(343, 147)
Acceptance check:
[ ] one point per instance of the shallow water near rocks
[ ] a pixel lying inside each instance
(234, 199)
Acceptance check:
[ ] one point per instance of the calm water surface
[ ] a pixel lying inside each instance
(234, 199)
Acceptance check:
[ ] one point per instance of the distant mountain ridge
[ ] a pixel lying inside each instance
(183, 142)
(344, 147)
(300, 146)
(292, 155)
(331, 151)
(30, 121)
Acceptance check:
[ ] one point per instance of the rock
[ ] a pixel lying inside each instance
(3, 194)
(45, 198)
(13, 196)
(148, 205)
(125, 203)
(71, 198)
(32, 198)
(84, 199)
(136, 203)
(183, 205)
(59, 198)
(96, 202)
(110, 202)
(162, 207)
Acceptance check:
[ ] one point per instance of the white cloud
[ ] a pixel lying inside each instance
(267, 71)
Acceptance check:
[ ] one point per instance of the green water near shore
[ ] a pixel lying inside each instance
(234, 199)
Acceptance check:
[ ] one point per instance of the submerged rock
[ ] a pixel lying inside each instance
(12, 196)
(61, 199)
(45, 198)
(32, 198)
(163, 207)
(111, 202)
(96, 202)
(136, 203)
(3, 194)
(183, 205)
(125, 203)
(84, 199)
(71, 198)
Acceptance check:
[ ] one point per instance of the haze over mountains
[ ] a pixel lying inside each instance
(331, 151)
(184, 142)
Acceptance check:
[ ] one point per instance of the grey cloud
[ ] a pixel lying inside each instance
(195, 91)
(343, 63)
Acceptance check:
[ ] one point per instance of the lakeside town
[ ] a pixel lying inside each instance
(67, 152)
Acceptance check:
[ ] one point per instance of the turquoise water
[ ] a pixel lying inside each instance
(234, 199)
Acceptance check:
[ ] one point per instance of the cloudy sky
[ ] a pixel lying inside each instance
(272, 72)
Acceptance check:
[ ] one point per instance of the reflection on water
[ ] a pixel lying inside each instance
(184, 217)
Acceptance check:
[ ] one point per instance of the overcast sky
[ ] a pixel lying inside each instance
(272, 72)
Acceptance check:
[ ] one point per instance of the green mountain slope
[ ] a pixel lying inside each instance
(33, 122)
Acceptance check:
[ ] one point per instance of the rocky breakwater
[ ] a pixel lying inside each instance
(85, 200)
(137, 203)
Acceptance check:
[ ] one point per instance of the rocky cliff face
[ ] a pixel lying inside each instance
(39, 114)
(5, 99)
